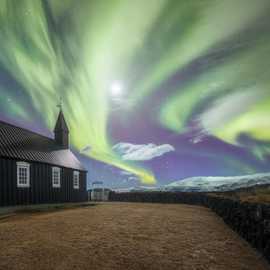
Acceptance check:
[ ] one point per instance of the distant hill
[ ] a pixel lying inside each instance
(207, 184)
(218, 184)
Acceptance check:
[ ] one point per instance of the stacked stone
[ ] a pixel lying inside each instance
(250, 220)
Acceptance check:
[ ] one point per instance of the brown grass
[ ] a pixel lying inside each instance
(257, 194)
(124, 236)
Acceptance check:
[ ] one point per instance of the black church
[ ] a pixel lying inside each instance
(35, 169)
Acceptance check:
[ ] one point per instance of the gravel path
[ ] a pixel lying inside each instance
(124, 236)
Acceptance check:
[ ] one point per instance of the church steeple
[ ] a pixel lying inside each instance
(61, 131)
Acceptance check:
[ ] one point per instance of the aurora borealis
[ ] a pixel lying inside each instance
(189, 78)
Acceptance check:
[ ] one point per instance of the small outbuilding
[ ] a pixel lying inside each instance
(37, 169)
(99, 194)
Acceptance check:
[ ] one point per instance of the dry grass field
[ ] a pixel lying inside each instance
(124, 236)
(256, 194)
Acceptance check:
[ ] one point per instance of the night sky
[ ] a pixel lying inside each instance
(153, 91)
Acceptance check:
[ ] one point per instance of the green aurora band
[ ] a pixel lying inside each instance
(76, 49)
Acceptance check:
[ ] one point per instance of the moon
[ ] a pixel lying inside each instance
(116, 89)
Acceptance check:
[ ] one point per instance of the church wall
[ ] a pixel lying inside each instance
(40, 190)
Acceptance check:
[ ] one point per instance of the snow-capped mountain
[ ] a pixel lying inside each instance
(207, 184)
(136, 189)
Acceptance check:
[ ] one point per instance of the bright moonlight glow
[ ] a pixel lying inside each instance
(116, 89)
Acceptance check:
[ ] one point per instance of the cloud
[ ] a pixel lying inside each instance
(138, 152)
(129, 177)
(133, 178)
(126, 173)
(86, 149)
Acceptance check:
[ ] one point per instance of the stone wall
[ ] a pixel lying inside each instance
(250, 220)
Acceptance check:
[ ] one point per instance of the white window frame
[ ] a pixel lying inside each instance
(26, 166)
(56, 171)
(76, 179)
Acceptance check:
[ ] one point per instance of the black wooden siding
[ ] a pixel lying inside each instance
(40, 190)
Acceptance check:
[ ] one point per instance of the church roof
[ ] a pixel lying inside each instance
(61, 124)
(25, 145)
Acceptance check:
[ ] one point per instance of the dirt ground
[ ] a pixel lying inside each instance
(124, 236)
